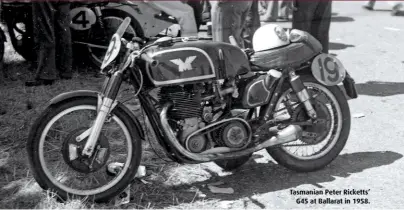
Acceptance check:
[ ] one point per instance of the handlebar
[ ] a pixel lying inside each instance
(147, 59)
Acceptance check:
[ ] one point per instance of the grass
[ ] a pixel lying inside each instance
(169, 185)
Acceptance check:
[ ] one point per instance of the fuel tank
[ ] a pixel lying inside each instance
(195, 61)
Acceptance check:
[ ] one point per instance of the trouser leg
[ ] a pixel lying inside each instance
(371, 3)
(198, 10)
(43, 17)
(64, 55)
(252, 24)
(321, 23)
(228, 19)
(272, 11)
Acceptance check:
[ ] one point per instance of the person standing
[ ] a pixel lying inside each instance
(228, 19)
(314, 17)
(52, 39)
(397, 5)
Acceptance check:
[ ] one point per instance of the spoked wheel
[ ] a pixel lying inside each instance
(55, 153)
(323, 140)
(111, 22)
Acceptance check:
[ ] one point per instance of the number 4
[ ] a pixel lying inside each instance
(81, 19)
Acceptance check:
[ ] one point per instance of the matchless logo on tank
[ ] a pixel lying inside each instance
(184, 66)
(181, 64)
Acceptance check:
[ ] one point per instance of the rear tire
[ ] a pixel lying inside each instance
(48, 183)
(308, 165)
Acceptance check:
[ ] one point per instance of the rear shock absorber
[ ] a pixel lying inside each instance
(302, 94)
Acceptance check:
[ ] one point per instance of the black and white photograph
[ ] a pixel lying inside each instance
(201, 104)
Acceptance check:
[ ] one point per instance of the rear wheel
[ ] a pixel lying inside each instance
(321, 142)
(55, 154)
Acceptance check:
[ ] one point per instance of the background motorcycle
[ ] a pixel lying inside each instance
(93, 24)
(214, 102)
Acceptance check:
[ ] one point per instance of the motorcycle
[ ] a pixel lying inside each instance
(92, 25)
(205, 101)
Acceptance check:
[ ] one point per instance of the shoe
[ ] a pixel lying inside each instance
(395, 12)
(368, 7)
(39, 82)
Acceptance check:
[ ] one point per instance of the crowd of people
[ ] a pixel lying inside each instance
(239, 19)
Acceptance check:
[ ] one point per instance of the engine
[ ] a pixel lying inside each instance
(201, 112)
(195, 107)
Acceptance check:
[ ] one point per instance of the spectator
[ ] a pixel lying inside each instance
(395, 4)
(314, 17)
(53, 40)
(228, 19)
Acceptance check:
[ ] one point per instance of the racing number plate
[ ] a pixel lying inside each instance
(82, 18)
(328, 70)
(113, 50)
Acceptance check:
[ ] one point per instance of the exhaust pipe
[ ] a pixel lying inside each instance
(290, 133)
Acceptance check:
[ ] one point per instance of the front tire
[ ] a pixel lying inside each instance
(36, 146)
(303, 164)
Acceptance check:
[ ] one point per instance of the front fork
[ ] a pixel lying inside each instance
(104, 108)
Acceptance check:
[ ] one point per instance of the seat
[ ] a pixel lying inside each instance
(292, 55)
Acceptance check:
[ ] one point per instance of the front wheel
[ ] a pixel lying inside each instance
(321, 142)
(55, 155)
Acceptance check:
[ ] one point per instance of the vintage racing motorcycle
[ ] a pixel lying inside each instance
(206, 101)
(92, 25)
